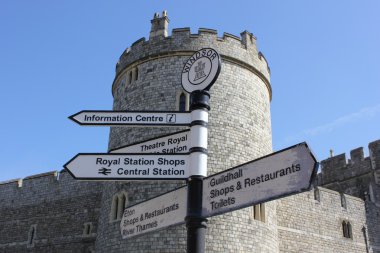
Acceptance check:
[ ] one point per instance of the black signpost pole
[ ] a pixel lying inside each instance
(195, 223)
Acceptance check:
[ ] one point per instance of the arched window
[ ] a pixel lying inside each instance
(182, 102)
(347, 229)
(119, 202)
(130, 77)
(344, 228)
(136, 74)
(258, 212)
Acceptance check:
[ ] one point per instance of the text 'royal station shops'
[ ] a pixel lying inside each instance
(154, 166)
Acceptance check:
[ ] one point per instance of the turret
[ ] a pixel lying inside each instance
(159, 25)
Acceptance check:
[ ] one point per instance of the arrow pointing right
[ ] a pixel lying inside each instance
(283, 173)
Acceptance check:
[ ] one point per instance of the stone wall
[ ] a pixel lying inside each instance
(56, 206)
(373, 226)
(309, 225)
(357, 176)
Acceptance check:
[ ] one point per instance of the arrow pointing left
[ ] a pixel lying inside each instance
(131, 118)
(107, 166)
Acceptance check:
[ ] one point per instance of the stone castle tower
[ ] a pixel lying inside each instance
(148, 77)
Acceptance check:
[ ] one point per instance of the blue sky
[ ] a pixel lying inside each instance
(58, 57)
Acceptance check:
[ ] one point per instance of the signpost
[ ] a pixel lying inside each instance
(129, 166)
(183, 155)
(155, 214)
(198, 74)
(277, 175)
(173, 143)
(131, 118)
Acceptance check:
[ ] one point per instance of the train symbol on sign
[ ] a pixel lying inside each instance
(104, 171)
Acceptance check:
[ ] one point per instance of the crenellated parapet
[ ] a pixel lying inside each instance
(241, 51)
(338, 168)
(358, 175)
(44, 187)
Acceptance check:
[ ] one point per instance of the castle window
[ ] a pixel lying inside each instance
(114, 207)
(87, 228)
(258, 212)
(121, 207)
(347, 229)
(317, 194)
(182, 103)
(119, 202)
(32, 235)
(136, 74)
(343, 202)
(130, 78)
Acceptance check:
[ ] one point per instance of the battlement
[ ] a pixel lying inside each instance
(182, 43)
(338, 168)
(183, 40)
(44, 186)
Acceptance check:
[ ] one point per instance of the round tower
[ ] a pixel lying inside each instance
(148, 77)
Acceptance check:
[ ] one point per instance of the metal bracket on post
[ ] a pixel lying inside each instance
(195, 223)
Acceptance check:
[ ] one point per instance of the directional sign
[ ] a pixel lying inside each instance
(129, 166)
(174, 143)
(280, 174)
(131, 118)
(155, 214)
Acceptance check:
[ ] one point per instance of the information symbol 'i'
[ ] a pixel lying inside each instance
(170, 118)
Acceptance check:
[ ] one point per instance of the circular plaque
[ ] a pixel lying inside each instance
(201, 70)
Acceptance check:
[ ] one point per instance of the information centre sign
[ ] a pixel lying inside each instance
(131, 118)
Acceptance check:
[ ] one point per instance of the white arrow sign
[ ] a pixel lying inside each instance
(280, 174)
(131, 118)
(155, 214)
(129, 166)
(174, 143)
